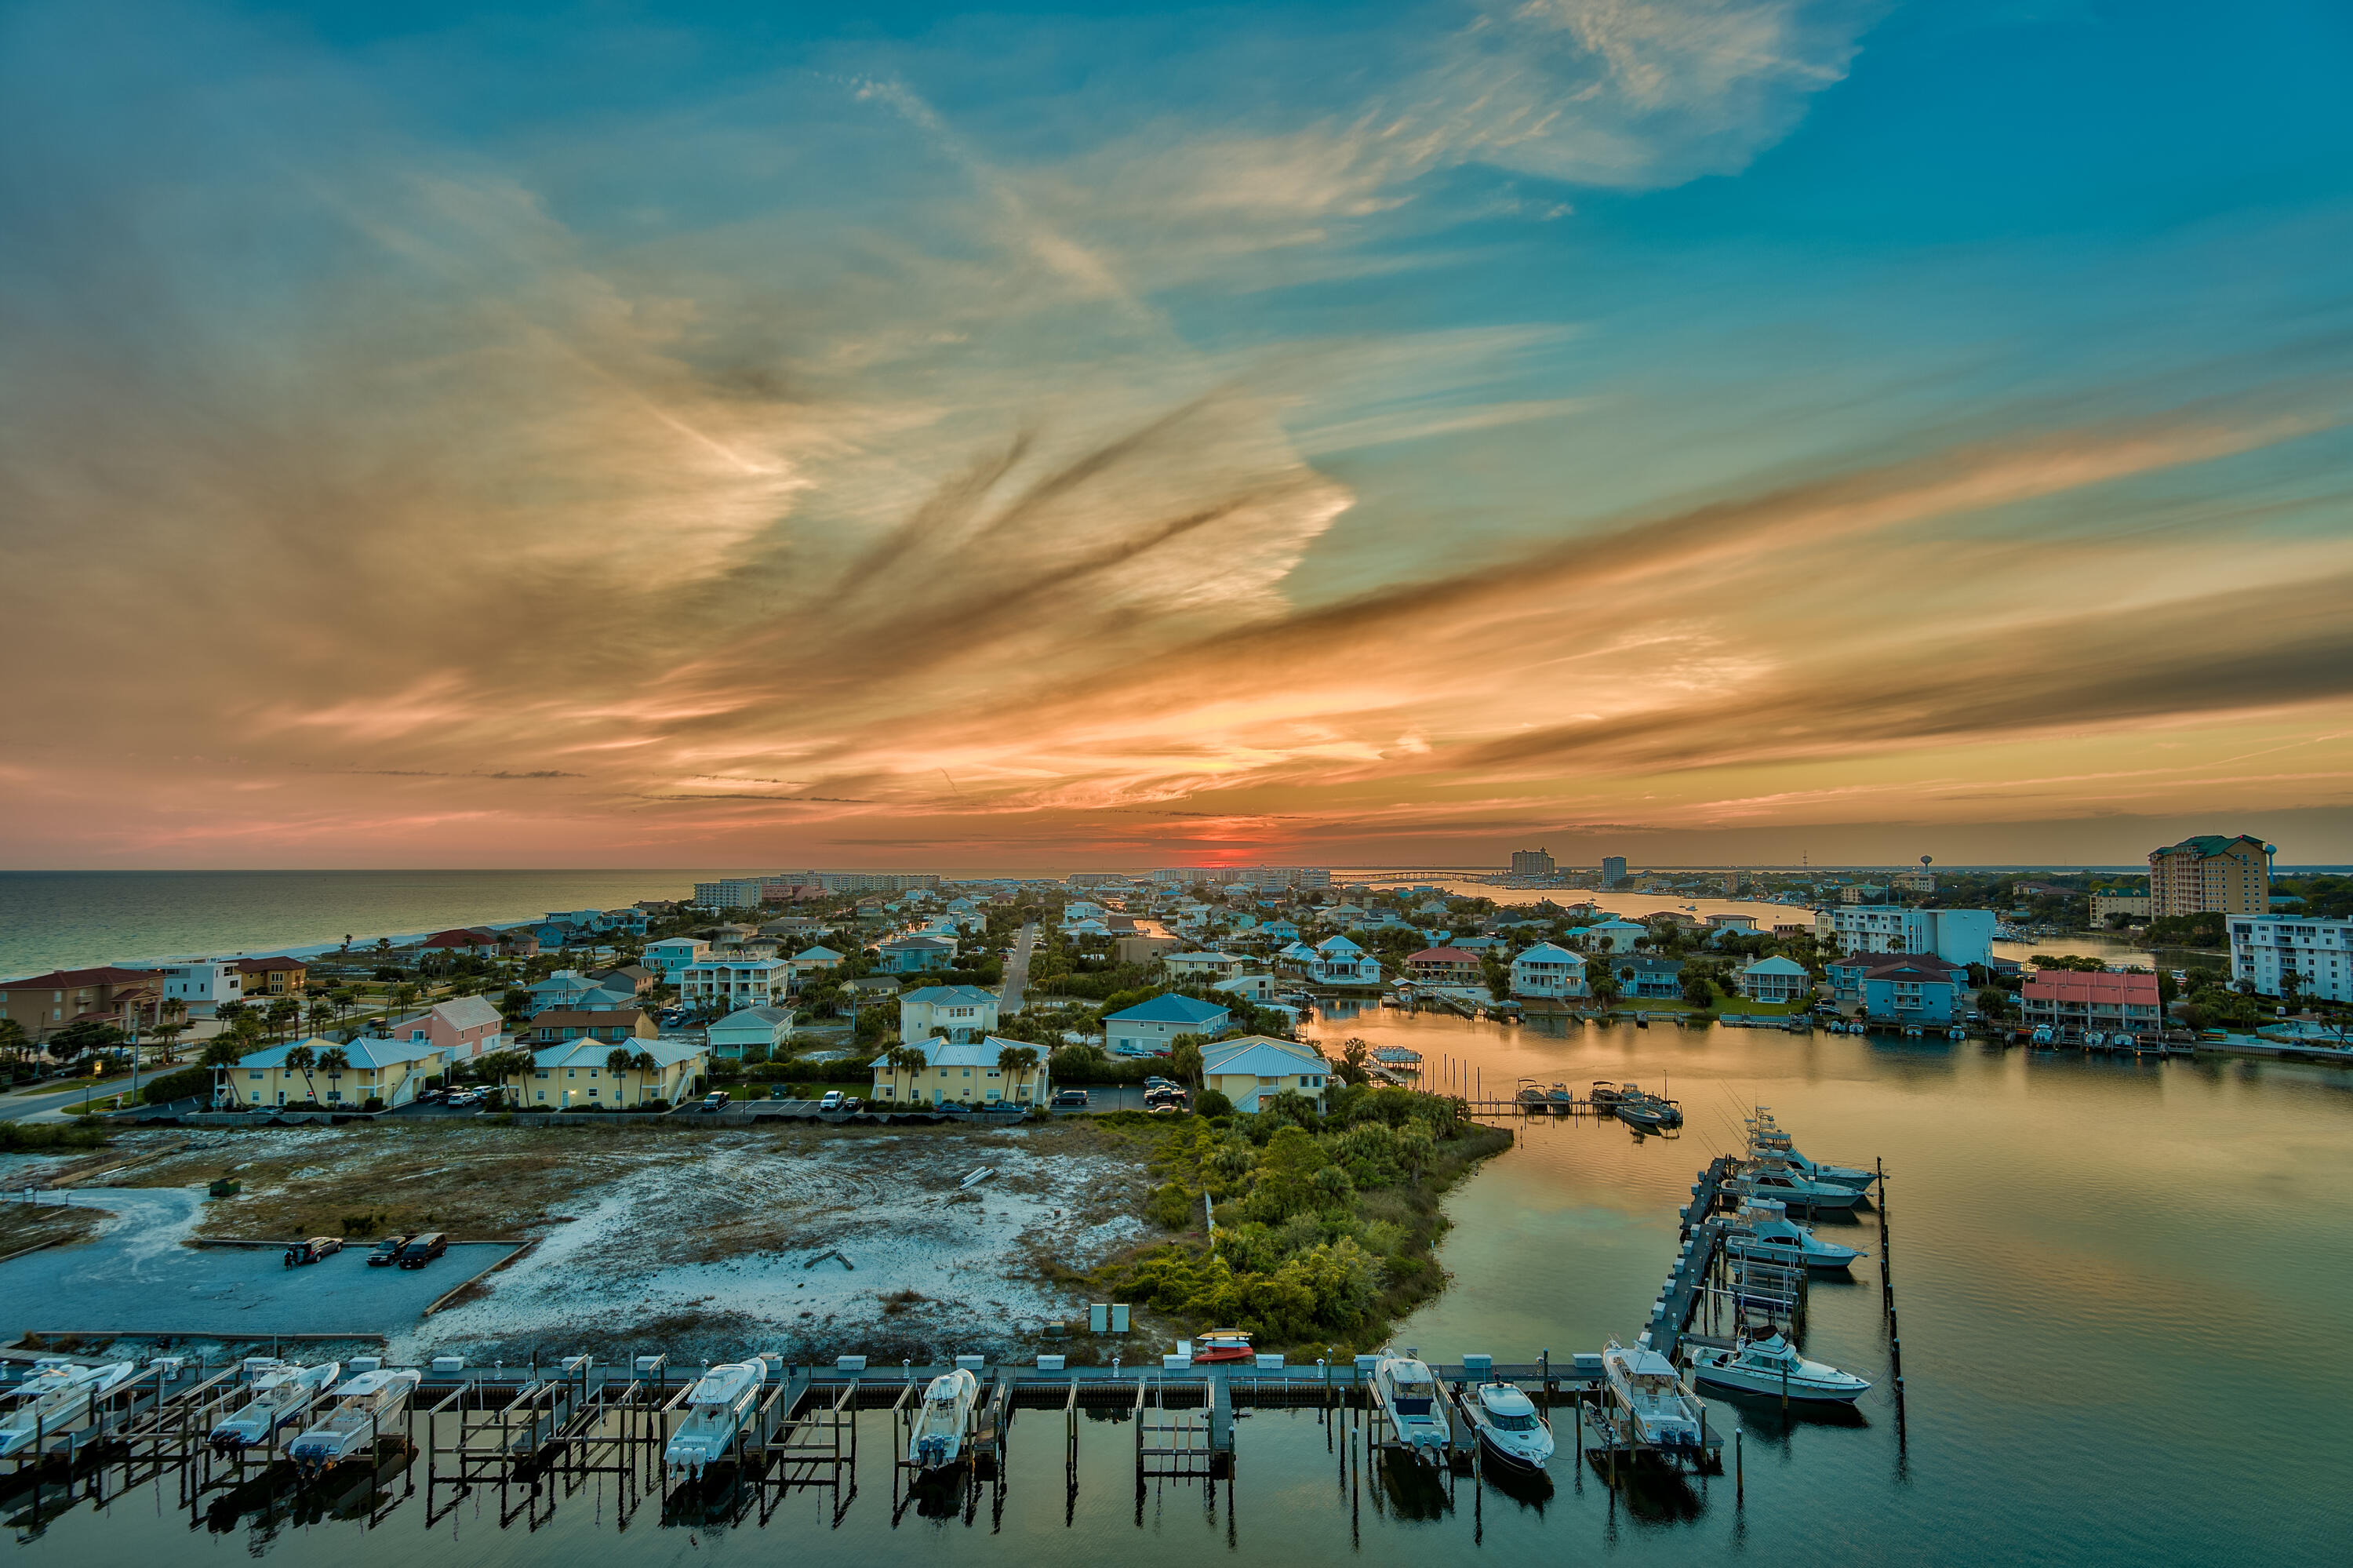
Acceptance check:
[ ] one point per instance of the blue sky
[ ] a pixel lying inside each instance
(1713, 427)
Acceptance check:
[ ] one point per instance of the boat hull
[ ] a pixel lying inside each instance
(1745, 1380)
(1498, 1447)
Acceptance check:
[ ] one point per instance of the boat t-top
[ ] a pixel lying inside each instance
(1764, 1230)
(938, 1440)
(1665, 1413)
(58, 1398)
(1764, 1136)
(715, 1408)
(364, 1407)
(1509, 1426)
(1772, 1366)
(283, 1392)
(1606, 1093)
(1409, 1397)
(1768, 1175)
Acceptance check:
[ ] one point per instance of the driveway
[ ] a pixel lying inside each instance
(1016, 969)
(136, 1277)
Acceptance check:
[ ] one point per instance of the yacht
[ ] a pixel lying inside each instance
(57, 1399)
(1772, 1366)
(364, 1407)
(1665, 1413)
(1766, 1135)
(1409, 1397)
(938, 1440)
(715, 1409)
(1509, 1426)
(283, 1392)
(1764, 1230)
(1768, 1175)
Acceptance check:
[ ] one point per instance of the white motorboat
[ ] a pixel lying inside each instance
(1773, 1366)
(940, 1426)
(1409, 1397)
(58, 1399)
(365, 1408)
(1764, 1230)
(1769, 1175)
(1764, 1136)
(283, 1392)
(1509, 1426)
(1665, 1413)
(715, 1408)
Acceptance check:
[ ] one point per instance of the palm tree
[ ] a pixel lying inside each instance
(404, 994)
(323, 1011)
(1017, 1061)
(333, 1061)
(283, 1011)
(905, 1059)
(301, 1059)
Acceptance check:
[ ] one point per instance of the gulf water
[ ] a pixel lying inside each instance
(2121, 1288)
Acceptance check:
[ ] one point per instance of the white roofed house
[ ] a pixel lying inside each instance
(1339, 961)
(1546, 970)
(732, 983)
(961, 1013)
(767, 1027)
(370, 1068)
(1244, 1068)
(577, 1074)
(1775, 979)
(971, 1072)
(1204, 965)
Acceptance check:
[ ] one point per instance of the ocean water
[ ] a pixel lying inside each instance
(73, 919)
(2121, 1289)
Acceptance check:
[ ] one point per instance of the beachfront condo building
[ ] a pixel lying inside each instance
(2210, 874)
(2267, 948)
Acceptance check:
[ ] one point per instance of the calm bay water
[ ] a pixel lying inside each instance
(70, 919)
(2121, 1288)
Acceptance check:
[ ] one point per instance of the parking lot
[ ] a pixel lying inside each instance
(137, 1277)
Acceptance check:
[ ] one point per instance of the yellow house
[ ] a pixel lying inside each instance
(373, 1069)
(579, 1072)
(1242, 1069)
(964, 1074)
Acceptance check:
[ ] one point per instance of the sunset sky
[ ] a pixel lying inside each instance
(1699, 430)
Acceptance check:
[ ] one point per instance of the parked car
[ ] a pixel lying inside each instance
(781, 1092)
(1070, 1096)
(715, 1100)
(1151, 1083)
(386, 1251)
(832, 1101)
(312, 1250)
(465, 1097)
(1165, 1108)
(423, 1249)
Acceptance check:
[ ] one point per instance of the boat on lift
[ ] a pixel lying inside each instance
(1561, 1099)
(1665, 1413)
(57, 1400)
(1765, 1135)
(1407, 1393)
(364, 1407)
(938, 1440)
(1509, 1426)
(715, 1410)
(1763, 1230)
(1531, 1097)
(1606, 1093)
(1772, 1366)
(1768, 1175)
(283, 1392)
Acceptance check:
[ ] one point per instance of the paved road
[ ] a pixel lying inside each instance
(49, 1108)
(1017, 970)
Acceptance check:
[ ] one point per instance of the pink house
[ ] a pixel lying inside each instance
(464, 1026)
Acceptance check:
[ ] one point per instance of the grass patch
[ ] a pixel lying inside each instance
(25, 1225)
(17, 1138)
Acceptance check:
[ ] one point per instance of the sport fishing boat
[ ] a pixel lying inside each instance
(1509, 1426)
(938, 1440)
(1764, 1230)
(1409, 1397)
(283, 1392)
(1773, 1366)
(1222, 1345)
(715, 1408)
(1665, 1413)
(1768, 1175)
(1765, 1137)
(1648, 1112)
(364, 1407)
(56, 1400)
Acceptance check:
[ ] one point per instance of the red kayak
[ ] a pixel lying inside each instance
(1222, 1345)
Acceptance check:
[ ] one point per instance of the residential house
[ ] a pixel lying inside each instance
(1732, 924)
(635, 978)
(1447, 966)
(1775, 979)
(480, 941)
(1297, 955)
(918, 955)
(1250, 1065)
(461, 1028)
(278, 976)
(964, 1074)
(1904, 987)
(767, 1027)
(812, 961)
(201, 987)
(579, 1075)
(2267, 950)
(612, 1025)
(565, 988)
(1548, 971)
(1142, 950)
(1089, 927)
(672, 954)
(632, 921)
(1281, 931)
(731, 984)
(1147, 1028)
(1339, 961)
(1205, 965)
(392, 1071)
(2107, 1001)
(961, 1012)
(43, 1004)
(1614, 936)
(1648, 980)
(1961, 937)
(1079, 909)
(1258, 988)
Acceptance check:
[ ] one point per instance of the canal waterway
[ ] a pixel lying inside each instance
(2120, 1286)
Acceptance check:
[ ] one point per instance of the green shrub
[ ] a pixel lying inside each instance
(1213, 1103)
(1171, 1207)
(179, 1086)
